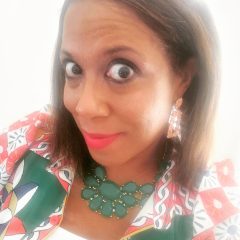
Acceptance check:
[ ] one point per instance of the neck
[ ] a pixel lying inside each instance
(140, 169)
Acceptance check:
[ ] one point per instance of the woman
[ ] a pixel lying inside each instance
(123, 152)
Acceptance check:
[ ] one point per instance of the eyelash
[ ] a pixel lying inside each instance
(123, 61)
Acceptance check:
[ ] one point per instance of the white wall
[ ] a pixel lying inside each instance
(227, 18)
(28, 30)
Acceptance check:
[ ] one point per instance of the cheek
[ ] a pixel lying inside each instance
(155, 115)
(148, 114)
(153, 111)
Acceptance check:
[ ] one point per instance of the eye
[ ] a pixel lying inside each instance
(120, 72)
(72, 70)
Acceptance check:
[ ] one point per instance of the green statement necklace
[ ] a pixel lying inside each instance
(110, 199)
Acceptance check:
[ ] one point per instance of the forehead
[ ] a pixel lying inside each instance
(104, 23)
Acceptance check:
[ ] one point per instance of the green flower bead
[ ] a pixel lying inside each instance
(95, 203)
(147, 188)
(91, 181)
(120, 210)
(129, 200)
(88, 193)
(100, 173)
(109, 190)
(107, 209)
(130, 187)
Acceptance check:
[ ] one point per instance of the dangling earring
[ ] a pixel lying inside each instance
(174, 121)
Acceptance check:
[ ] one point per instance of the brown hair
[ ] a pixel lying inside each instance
(186, 30)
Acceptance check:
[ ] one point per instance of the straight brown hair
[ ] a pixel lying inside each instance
(186, 29)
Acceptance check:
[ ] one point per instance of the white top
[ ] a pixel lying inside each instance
(62, 234)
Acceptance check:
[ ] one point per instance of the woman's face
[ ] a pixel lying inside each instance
(118, 80)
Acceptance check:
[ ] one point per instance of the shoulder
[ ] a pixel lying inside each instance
(31, 132)
(217, 207)
(28, 181)
(211, 211)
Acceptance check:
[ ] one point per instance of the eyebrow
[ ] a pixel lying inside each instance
(117, 49)
(109, 51)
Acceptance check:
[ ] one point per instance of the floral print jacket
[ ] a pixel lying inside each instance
(34, 189)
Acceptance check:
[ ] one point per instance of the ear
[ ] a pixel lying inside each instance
(185, 77)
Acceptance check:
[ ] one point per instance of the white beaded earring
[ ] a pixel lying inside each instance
(174, 121)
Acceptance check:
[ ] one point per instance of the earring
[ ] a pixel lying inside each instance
(174, 121)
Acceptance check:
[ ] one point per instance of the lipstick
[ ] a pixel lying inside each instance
(99, 141)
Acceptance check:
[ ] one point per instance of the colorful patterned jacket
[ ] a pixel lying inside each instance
(34, 189)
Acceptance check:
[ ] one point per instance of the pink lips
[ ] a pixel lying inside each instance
(98, 141)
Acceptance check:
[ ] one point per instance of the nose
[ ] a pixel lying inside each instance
(92, 100)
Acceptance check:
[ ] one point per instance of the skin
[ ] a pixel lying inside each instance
(138, 107)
